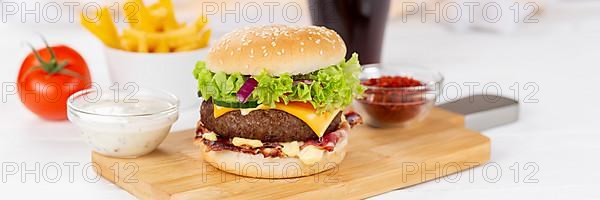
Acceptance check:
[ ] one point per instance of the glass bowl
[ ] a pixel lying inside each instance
(123, 123)
(399, 106)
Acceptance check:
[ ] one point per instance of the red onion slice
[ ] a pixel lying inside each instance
(246, 90)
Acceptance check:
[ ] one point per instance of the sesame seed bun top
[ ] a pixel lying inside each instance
(277, 49)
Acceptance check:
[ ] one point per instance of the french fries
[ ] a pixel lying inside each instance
(170, 23)
(104, 29)
(152, 29)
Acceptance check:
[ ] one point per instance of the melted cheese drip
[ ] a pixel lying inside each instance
(210, 136)
(290, 149)
(318, 123)
(310, 155)
(237, 141)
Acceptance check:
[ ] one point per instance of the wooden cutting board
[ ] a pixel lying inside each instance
(378, 161)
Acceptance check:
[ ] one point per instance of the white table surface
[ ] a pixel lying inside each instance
(559, 134)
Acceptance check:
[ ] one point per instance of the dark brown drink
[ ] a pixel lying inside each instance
(361, 23)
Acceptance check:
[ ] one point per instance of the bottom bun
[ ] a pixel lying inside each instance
(258, 166)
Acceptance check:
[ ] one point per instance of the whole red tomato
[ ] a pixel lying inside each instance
(48, 77)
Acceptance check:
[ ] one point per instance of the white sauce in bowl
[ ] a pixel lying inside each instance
(124, 129)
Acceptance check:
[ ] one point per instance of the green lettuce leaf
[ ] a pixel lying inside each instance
(332, 88)
(217, 85)
(271, 90)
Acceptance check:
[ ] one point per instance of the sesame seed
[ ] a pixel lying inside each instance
(321, 52)
(301, 43)
(273, 44)
(266, 54)
(282, 51)
(301, 49)
(279, 53)
(318, 41)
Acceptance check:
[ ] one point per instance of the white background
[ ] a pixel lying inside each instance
(561, 54)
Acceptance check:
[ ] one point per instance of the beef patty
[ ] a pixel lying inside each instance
(266, 125)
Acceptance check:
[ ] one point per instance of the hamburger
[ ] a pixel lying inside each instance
(274, 99)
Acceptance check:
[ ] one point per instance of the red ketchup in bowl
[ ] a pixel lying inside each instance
(394, 100)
